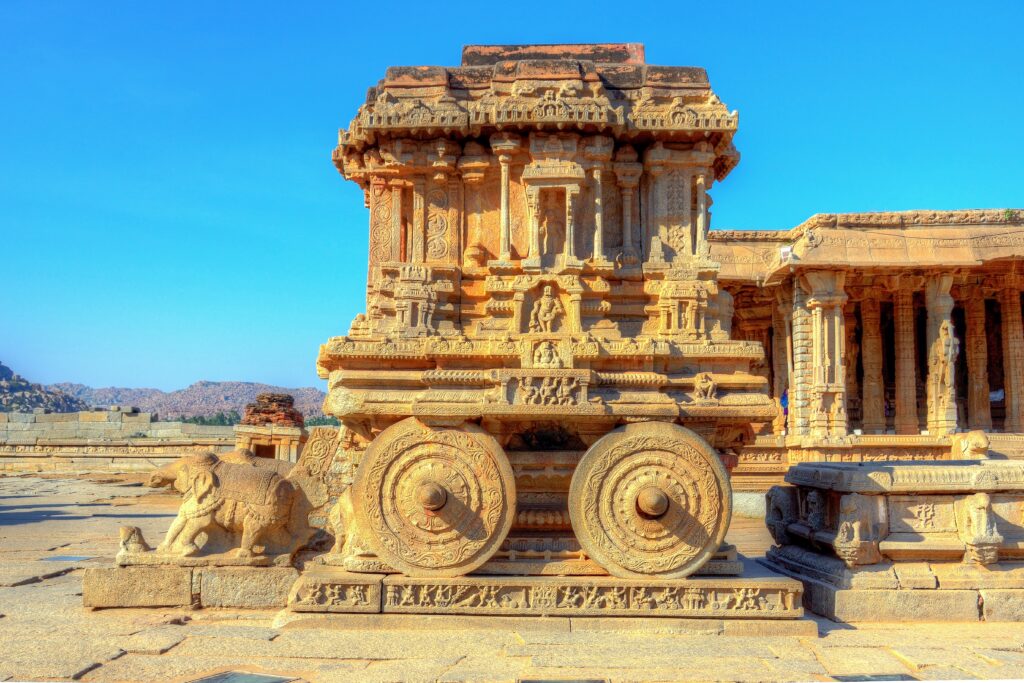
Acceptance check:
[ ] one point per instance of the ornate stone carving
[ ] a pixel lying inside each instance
(251, 503)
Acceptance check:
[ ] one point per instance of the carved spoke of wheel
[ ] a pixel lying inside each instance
(650, 500)
(434, 501)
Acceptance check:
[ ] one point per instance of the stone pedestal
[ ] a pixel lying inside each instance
(903, 541)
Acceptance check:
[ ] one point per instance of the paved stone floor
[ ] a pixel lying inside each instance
(50, 528)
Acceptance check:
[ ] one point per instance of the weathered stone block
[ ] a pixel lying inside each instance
(245, 587)
(1002, 604)
(137, 587)
(329, 589)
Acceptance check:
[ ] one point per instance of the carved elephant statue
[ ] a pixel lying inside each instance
(972, 445)
(236, 497)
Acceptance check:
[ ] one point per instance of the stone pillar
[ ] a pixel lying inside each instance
(803, 368)
(906, 366)
(850, 355)
(598, 218)
(397, 233)
(979, 412)
(533, 260)
(872, 405)
(1013, 359)
(505, 144)
(943, 348)
(702, 247)
(627, 174)
(782, 353)
(828, 338)
(419, 219)
(572, 194)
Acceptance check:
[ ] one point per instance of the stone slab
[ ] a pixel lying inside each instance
(859, 605)
(1003, 604)
(245, 587)
(137, 587)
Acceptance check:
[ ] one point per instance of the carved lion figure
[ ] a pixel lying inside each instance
(245, 499)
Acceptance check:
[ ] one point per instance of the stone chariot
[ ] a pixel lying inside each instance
(544, 381)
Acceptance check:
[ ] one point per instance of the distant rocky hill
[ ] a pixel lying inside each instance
(19, 395)
(199, 399)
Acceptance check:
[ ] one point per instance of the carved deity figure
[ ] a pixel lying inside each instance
(545, 311)
(941, 368)
(704, 387)
(978, 530)
(546, 356)
(856, 542)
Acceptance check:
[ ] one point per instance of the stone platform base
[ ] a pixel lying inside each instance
(904, 592)
(759, 595)
(167, 586)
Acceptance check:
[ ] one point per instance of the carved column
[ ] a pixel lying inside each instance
(702, 247)
(598, 218)
(781, 354)
(572, 194)
(943, 348)
(627, 174)
(906, 366)
(851, 353)
(872, 403)
(598, 152)
(419, 220)
(828, 391)
(505, 144)
(1013, 358)
(979, 413)
(533, 208)
(397, 232)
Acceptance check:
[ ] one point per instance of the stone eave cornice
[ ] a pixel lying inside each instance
(910, 219)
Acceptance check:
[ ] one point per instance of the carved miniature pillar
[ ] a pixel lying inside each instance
(627, 219)
(533, 207)
(702, 247)
(598, 218)
(419, 220)
(655, 223)
(627, 174)
(943, 348)
(504, 144)
(873, 396)
(505, 250)
(906, 366)
(572, 193)
(1013, 359)
(979, 413)
(397, 234)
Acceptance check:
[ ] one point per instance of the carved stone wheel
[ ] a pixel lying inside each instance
(434, 502)
(650, 500)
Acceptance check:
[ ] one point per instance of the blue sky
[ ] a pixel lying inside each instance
(169, 212)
